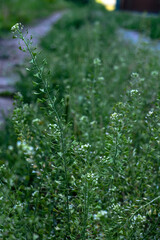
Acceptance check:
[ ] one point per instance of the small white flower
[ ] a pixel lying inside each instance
(100, 214)
(115, 67)
(116, 207)
(71, 206)
(36, 120)
(97, 62)
(27, 149)
(101, 79)
(150, 113)
(139, 218)
(154, 73)
(83, 118)
(17, 27)
(114, 116)
(134, 75)
(85, 146)
(134, 92)
(34, 193)
(18, 205)
(18, 143)
(10, 147)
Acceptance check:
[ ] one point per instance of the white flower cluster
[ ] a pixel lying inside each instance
(134, 92)
(85, 146)
(154, 73)
(92, 177)
(83, 119)
(17, 27)
(100, 214)
(115, 67)
(27, 149)
(36, 120)
(150, 113)
(116, 207)
(2, 167)
(115, 116)
(35, 193)
(10, 148)
(101, 79)
(139, 218)
(19, 205)
(97, 62)
(71, 206)
(135, 75)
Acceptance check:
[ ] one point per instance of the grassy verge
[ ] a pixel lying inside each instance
(26, 11)
(80, 159)
(144, 23)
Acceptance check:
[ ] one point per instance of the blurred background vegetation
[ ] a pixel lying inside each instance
(107, 94)
(12, 11)
(26, 11)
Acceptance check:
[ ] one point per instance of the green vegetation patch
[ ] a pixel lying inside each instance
(147, 24)
(13, 11)
(80, 157)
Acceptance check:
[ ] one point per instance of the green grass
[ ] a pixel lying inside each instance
(31, 10)
(26, 12)
(80, 157)
(143, 23)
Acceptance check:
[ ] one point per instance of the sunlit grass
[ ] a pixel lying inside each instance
(110, 5)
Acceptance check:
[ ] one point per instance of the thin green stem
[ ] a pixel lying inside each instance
(155, 199)
(52, 106)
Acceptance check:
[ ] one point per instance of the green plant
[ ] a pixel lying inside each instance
(82, 158)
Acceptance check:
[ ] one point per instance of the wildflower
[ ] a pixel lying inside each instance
(71, 206)
(101, 79)
(17, 27)
(115, 67)
(97, 62)
(87, 145)
(115, 116)
(18, 143)
(83, 118)
(139, 218)
(154, 73)
(35, 193)
(93, 123)
(134, 92)
(150, 113)
(27, 149)
(36, 120)
(100, 214)
(134, 75)
(116, 207)
(10, 147)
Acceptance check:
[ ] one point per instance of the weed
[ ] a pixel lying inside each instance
(83, 162)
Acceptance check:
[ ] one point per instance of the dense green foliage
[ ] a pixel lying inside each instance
(80, 159)
(145, 23)
(80, 1)
(13, 11)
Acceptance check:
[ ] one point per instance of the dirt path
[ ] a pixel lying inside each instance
(137, 38)
(11, 56)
